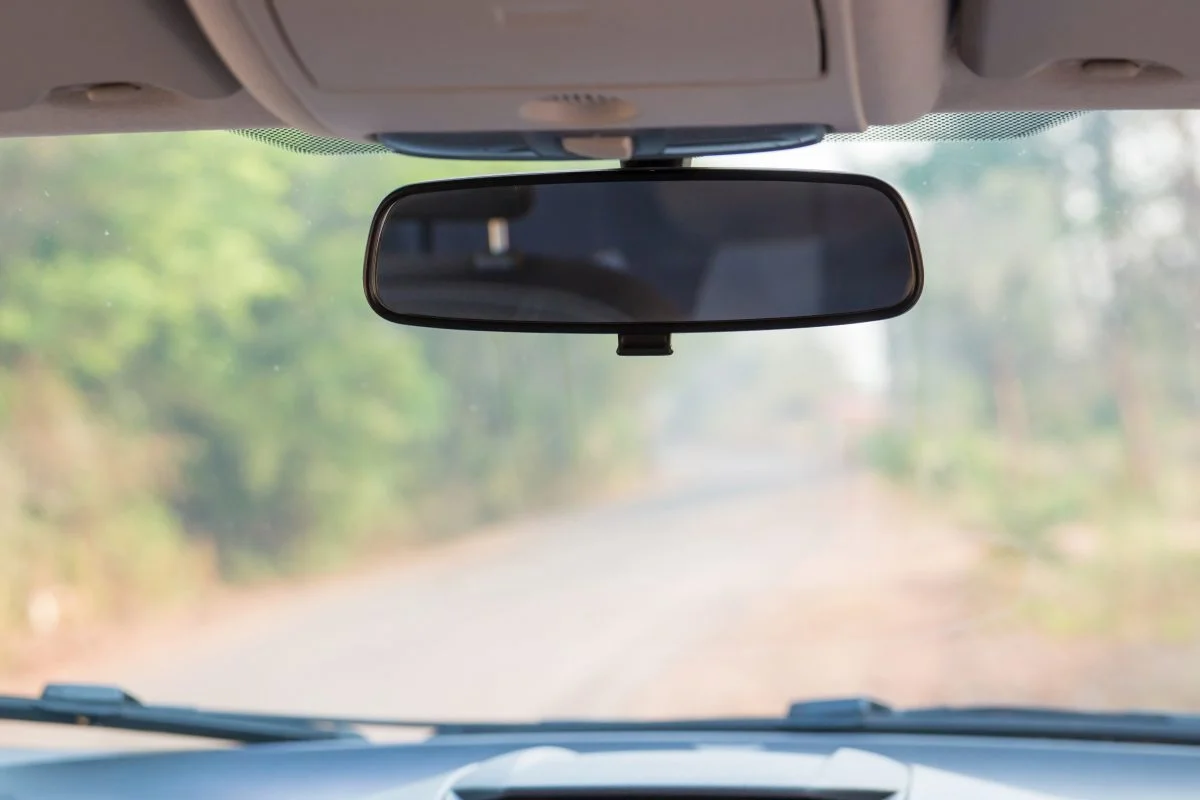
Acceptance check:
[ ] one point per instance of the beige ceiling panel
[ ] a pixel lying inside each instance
(49, 46)
(1007, 39)
(360, 67)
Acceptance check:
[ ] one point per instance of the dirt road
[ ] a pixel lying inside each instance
(748, 580)
(573, 613)
(564, 615)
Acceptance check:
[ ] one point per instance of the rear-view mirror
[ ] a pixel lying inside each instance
(643, 251)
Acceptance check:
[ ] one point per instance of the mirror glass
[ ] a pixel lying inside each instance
(615, 249)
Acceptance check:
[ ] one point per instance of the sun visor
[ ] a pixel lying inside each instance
(1148, 40)
(361, 68)
(92, 54)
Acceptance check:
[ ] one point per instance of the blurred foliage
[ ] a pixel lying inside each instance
(192, 384)
(749, 389)
(193, 389)
(1048, 377)
(967, 474)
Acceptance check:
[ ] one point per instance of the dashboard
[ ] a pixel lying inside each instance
(643, 765)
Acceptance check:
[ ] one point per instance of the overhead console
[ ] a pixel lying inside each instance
(538, 78)
(607, 78)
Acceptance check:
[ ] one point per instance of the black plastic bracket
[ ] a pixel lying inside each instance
(644, 344)
(656, 163)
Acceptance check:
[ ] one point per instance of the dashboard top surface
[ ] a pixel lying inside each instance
(1070, 769)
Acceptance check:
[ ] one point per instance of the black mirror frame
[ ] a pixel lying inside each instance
(644, 328)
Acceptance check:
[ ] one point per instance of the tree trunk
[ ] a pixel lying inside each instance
(1012, 416)
(1129, 391)
(1134, 412)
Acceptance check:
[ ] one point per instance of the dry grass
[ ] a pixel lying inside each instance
(913, 610)
(84, 540)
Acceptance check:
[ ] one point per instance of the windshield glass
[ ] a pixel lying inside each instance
(224, 482)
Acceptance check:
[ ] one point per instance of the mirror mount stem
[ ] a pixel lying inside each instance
(644, 344)
(648, 344)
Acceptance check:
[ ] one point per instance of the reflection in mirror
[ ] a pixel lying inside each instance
(599, 249)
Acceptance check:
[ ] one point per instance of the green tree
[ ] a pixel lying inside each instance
(186, 358)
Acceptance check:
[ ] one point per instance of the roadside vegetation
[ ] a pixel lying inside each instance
(193, 393)
(193, 390)
(1046, 393)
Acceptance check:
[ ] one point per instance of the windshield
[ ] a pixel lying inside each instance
(224, 482)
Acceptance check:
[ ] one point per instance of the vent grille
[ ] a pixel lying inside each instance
(581, 98)
(972, 126)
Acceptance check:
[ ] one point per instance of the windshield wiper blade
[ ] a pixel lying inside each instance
(817, 715)
(111, 707)
(1050, 723)
(866, 715)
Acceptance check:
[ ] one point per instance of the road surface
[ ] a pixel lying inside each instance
(570, 614)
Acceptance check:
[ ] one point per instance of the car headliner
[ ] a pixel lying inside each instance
(60, 59)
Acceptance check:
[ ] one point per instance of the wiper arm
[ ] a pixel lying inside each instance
(111, 707)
